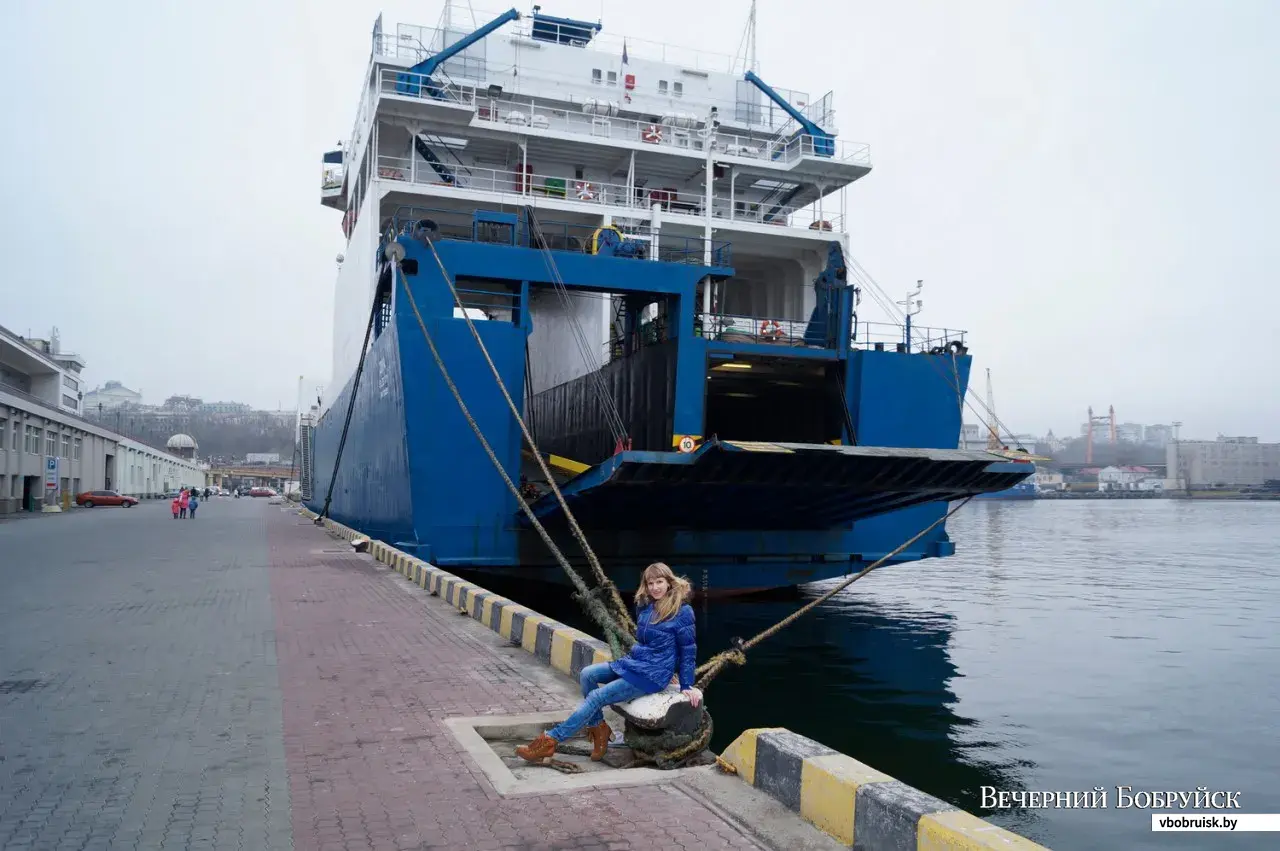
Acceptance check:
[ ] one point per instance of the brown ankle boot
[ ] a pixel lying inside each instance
(543, 747)
(599, 736)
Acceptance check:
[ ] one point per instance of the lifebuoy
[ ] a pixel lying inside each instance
(585, 191)
(770, 329)
(652, 134)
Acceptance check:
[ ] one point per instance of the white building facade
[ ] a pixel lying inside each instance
(49, 453)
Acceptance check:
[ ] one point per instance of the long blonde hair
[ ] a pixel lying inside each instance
(678, 591)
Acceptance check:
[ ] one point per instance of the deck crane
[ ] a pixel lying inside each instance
(419, 76)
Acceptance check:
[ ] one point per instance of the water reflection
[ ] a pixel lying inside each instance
(1067, 644)
(868, 682)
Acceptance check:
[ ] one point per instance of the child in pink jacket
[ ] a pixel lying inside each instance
(177, 504)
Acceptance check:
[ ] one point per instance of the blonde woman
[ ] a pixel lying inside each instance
(664, 652)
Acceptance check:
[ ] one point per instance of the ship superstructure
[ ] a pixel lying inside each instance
(654, 242)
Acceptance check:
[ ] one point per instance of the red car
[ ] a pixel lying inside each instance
(91, 498)
(261, 492)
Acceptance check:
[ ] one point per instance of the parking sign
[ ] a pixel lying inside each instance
(51, 473)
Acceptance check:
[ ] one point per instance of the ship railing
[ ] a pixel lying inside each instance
(414, 41)
(597, 115)
(332, 178)
(808, 217)
(564, 236)
(889, 335)
(509, 183)
(730, 328)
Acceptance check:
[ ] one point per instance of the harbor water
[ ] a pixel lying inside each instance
(1067, 645)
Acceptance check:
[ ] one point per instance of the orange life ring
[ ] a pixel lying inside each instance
(652, 134)
(770, 329)
(585, 191)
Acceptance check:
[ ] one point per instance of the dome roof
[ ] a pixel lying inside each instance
(181, 441)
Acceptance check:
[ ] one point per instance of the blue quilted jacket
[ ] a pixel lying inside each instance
(661, 649)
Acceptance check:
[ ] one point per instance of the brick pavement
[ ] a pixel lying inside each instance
(228, 683)
(370, 667)
(139, 700)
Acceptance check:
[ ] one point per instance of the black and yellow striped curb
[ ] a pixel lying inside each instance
(833, 792)
(854, 802)
(562, 647)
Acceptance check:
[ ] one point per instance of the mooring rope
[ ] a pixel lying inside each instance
(618, 636)
(351, 406)
(604, 603)
(605, 589)
(737, 654)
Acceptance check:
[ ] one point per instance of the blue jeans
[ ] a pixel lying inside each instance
(612, 689)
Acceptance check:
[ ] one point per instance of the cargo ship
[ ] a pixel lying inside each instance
(651, 245)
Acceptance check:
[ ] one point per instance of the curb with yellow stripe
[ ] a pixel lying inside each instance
(562, 647)
(854, 802)
(834, 792)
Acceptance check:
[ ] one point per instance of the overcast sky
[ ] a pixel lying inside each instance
(1092, 189)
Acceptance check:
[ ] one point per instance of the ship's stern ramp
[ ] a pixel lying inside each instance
(739, 485)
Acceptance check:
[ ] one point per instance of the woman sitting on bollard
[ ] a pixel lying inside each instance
(664, 646)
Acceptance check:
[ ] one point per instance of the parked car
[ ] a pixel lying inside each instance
(91, 498)
(262, 492)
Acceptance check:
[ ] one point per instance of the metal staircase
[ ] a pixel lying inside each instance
(448, 171)
(306, 474)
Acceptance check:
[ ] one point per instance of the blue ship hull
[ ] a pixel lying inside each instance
(1020, 491)
(728, 516)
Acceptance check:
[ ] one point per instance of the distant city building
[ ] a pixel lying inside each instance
(37, 368)
(225, 408)
(1225, 462)
(1129, 432)
(183, 446)
(1158, 435)
(49, 453)
(1124, 478)
(111, 395)
(182, 403)
(1054, 443)
(262, 458)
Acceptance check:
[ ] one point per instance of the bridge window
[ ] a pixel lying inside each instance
(595, 76)
(662, 87)
(613, 78)
(677, 89)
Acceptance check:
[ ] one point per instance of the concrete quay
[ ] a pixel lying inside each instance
(248, 680)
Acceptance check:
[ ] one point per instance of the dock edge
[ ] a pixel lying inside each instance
(840, 796)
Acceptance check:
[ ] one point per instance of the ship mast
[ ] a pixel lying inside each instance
(993, 436)
(747, 46)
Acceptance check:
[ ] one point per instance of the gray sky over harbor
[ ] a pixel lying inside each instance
(1090, 188)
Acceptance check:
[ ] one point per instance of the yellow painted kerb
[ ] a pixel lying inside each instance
(960, 831)
(741, 754)
(829, 790)
(486, 610)
(508, 614)
(530, 638)
(562, 649)
(599, 656)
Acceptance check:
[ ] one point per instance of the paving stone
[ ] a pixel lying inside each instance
(228, 683)
(149, 641)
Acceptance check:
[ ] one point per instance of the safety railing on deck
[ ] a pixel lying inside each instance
(598, 118)
(413, 42)
(561, 236)
(887, 335)
(595, 193)
(508, 182)
(753, 329)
